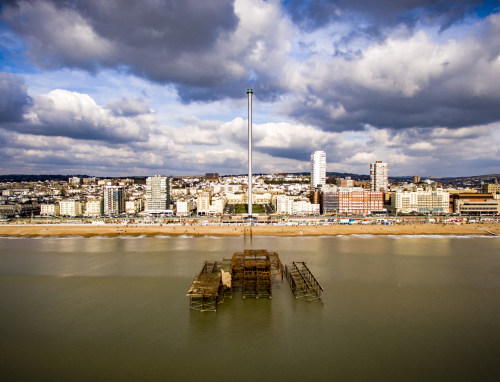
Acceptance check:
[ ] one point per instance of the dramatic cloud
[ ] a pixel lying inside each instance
(161, 85)
(14, 98)
(283, 140)
(92, 32)
(209, 49)
(403, 82)
(128, 107)
(75, 115)
(380, 13)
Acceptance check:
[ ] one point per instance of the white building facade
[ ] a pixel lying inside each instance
(49, 209)
(318, 169)
(379, 175)
(133, 207)
(283, 205)
(286, 205)
(305, 207)
(182, 208)
(421, 201)
(404, 202)
(94, 208)
(70, 207)
(203, 203)
(157, 194)
(217, 206)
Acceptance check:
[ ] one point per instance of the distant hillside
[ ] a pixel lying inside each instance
(362, 177)
(42, 178)
(36, 178)
(463, 181)
(348, 174)
(338, 175)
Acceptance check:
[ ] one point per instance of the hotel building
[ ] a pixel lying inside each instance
(70, 208)
(49, 209)
(355, 202)
(421, 201)
(94, 208)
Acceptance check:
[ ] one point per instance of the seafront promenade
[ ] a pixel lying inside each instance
(89, 230)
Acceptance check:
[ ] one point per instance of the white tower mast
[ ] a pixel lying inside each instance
(250, 92)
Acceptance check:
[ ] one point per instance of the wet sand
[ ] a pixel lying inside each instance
(87, 230)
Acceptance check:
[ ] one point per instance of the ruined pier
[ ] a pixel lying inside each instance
(252, 272)
(207, 289)
(302, 281)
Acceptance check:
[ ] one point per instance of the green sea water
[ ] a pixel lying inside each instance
(115, 309)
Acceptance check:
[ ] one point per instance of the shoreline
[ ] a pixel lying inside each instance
(86, 230)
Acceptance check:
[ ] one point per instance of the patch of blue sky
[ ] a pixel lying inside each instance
(323, 42)
(266, 113)
(12, 49)
(174, 114)
(469, 27)
(355, 136)
(109, 84)
(101, 86)
(290, 3)
(487, 8)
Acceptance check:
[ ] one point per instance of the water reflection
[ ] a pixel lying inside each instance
(390, 305)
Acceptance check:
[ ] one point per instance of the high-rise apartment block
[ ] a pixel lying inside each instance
(114, 200)
(379, 174)
(158, 193)
(318, 169)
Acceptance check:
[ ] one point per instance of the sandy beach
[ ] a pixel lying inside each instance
(88, 230)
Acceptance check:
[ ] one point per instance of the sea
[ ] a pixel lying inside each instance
(394, 308)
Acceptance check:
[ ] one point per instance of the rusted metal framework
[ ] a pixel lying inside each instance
(303, 283)
(207, 289)
(257, 276)
(253, 271)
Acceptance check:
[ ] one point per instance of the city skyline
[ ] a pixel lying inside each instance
(413, 85)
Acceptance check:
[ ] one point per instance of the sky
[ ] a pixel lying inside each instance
(137, 88)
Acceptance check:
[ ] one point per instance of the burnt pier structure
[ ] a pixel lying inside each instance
(302, 281)
(207, 289)
(253, 272)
